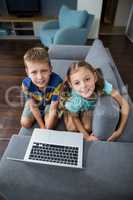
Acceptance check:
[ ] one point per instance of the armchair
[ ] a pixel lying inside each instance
(72, 28)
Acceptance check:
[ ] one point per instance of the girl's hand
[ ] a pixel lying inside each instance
(114, 136)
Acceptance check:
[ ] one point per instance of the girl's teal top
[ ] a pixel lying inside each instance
(77, 103)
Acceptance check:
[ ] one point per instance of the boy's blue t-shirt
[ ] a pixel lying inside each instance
(77, 103)
(42, 98)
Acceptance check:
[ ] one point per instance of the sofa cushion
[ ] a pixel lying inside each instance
(97, 56)
(61, 66)
(103, 163)
(68, 52)
(71, 18)
(105, 117)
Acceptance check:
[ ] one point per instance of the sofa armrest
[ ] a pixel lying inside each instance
(50, 24)
(69, 52)
(72, 35)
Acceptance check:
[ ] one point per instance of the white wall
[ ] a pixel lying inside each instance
(122, 12)
(93, 7)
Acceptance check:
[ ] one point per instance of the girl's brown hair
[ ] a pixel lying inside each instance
(82, 64)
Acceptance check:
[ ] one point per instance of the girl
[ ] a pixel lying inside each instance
(83, 85)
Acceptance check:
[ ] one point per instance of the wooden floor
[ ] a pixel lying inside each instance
(12, 73)
(122, 52)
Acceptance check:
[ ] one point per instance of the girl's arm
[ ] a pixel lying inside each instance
(124, 106)
(81, 129)
(36, 113)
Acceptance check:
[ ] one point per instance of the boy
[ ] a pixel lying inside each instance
(41, 90)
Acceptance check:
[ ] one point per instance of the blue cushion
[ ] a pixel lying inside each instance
(71, 18)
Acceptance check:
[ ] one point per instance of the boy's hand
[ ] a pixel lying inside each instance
(53, 107)
(91, 138)
(42, 126)
(54, 104)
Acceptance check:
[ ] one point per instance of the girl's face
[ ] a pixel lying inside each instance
(39, 72)
(83, 82)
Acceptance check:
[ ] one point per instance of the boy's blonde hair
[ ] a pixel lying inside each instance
(38, 54)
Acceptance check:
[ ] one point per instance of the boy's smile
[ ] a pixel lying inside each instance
(83, 82)
(39, 72)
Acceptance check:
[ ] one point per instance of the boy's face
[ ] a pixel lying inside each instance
(39, 72)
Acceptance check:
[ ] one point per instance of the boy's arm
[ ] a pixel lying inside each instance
(124, 114)
(33, 106)
(36, 113)
(52, 117)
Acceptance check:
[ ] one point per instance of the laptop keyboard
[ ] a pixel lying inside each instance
(54, 153)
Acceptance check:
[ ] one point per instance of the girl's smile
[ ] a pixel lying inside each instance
(83, 82)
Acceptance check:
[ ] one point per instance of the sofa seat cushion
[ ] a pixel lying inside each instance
(72, 18)
(107, 174)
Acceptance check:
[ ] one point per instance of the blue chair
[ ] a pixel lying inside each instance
(72, 27)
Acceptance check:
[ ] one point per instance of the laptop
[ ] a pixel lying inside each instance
(61, 148)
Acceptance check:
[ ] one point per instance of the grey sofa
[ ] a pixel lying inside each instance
(108, 166)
